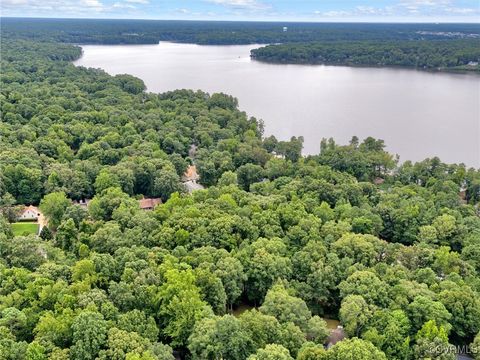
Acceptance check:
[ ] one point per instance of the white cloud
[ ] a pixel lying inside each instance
(67, 6)
(241, 4)
(92, 3)
(397, 10)
(403, 8)
(143, 2)
(15, 2)
(463, 11)
(370, 10)
(358, 11)
(120, 5)
(333, 13)
(435, 8)
(431, 3)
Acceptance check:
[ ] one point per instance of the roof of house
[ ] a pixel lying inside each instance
(191, 173)
(149, 203)
(192, 186)
(30, 208)
(336, 335)
(378, 181)
(82, 202)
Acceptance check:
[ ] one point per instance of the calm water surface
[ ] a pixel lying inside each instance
(418, 114)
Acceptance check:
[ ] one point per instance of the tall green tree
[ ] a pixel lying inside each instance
(271, 352)
(355, 349)
(89, 335)
(432, 342)
(53, 207)
(286, 308)
(220, 337)
(180, 305)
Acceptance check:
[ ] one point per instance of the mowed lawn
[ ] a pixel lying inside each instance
(21, 228)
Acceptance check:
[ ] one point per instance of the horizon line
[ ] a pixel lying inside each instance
(251, 21)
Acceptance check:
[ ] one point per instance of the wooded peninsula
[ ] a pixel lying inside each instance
(457, 55)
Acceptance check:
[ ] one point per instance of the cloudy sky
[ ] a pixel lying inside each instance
(269, 10)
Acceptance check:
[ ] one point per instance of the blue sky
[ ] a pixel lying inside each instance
(268, 10)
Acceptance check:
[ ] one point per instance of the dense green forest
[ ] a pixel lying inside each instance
(429, 46)
(97, 31)
(434, 54)
(391, 250)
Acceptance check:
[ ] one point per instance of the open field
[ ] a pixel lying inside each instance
(21, 228)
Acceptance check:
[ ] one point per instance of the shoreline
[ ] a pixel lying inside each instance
(274, 62)
(371, 66)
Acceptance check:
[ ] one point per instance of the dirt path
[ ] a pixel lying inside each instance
(41, 220)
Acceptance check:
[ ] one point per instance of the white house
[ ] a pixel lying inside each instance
(30, 213)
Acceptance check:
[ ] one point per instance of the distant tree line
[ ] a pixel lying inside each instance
(454, 54)
(98, 31)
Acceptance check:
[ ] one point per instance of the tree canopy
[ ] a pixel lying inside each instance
(290, 238)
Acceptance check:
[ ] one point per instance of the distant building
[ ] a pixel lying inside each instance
(30, 213)
(335, 336)
(378, 181)
(190, 179)
(192, 152)
(463, 194)
(191, 186)
(83, 203)
(191, 174)
(149, 203)
(285, 29)
(33, 214)
(472, 63)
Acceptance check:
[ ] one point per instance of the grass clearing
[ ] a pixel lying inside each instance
(21, 228)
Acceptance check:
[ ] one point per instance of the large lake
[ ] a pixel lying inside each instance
(418, 114)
